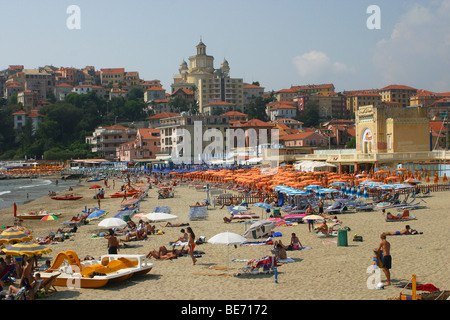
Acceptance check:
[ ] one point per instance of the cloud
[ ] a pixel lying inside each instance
(317, 63)
(417, 51)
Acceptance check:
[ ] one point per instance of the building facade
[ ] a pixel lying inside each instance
(208, 83)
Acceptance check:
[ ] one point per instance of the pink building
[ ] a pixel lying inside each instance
(145, 146)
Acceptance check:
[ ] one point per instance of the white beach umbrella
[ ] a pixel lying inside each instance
(313, 217)
(227, 238)
(158, 216)
(111, 223)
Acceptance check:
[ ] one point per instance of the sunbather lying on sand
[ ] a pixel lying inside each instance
(407, 230)
(164, 254)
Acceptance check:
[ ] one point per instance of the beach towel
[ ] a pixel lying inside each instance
(257, 243)
(179, 243)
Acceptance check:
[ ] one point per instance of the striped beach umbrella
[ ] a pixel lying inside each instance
(26, 248)
(13, 235)
(49, 217)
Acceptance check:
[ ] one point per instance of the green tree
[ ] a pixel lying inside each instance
(310, 115)
(257, 108)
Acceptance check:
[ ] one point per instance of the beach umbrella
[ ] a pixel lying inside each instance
(366, 194)
(26, 248)
(111, 223)
(14, 234)
(158, 216)
(49, 217)
(95, 186)
(359, 193)
(313, 217)
(263, 205)
(412, 181)
(383, 205)
(227, 238)
(240, 208)
(96, 215)
(259, 228)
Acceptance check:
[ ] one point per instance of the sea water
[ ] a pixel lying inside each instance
(21, 191)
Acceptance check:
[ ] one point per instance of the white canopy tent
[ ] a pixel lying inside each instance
(310, 166)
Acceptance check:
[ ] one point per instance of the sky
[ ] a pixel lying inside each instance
(278, 43)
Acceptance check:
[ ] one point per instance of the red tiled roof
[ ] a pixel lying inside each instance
(155, 89)
(20, 112)
(283, 106)
(281, 102)
(252, 86)
(233, 113)
(113, 70)
(164, 115)
(397, 87)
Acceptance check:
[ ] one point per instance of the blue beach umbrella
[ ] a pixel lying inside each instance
(96, 215)
(366, 194)
(263, 205)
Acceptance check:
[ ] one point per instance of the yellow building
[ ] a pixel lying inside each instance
(355, 99)
(211, 85)
(397, 93)
(309, 89)
(112, 75)
(388, 128)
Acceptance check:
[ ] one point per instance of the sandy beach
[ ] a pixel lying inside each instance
(325, 271)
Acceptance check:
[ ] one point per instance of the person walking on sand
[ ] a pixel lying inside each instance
(385, 246)
(191, 243)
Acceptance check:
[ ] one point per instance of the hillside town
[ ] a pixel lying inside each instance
(367, 122)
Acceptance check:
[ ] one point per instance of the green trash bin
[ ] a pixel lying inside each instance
(126, 218)
(276, 212)
(342, 238)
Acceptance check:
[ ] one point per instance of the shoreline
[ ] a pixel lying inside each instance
(325, 272)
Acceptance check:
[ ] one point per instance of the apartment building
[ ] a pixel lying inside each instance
(20, 119)
(218, 107)
(281, 111)
(62, 90)
(356, 99)
(131, 79)
(398, 93)
(106, 140)
(331, 105)
(154, 93)
(179, 135)
(144, 147)
(306, 90)
(29, 99)
(250, 93)
(285, 95)
(112, 75)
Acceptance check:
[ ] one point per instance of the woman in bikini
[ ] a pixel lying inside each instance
(191, 243)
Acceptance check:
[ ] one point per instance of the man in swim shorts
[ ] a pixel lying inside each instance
(385, 246)
(407, 230)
